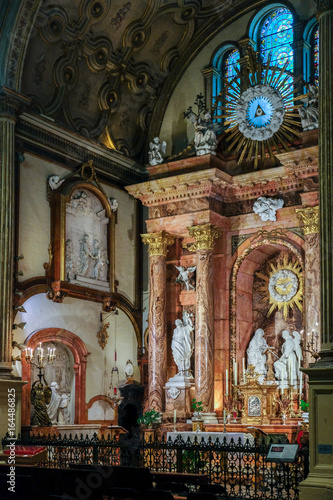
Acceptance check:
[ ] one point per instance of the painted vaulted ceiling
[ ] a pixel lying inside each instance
(107, 68)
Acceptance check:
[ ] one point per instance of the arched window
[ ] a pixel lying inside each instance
(231, 62)
(311, 52)
(276, 38)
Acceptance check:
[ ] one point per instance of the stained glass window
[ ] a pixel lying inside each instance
(231, 62)
(277, 38)
(316, 56)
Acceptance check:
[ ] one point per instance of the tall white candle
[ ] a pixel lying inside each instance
(174, 416)
(235, 372)
(300, 383)
(224, 417)
(243, 362)
(226, 383)
(282, 381)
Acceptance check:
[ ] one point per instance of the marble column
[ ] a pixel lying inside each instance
(310, 218)
(10, 105)
(319, 483)
(205, 236)
(157, 358)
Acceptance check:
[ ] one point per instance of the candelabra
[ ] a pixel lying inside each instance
(312, 346)
(38, 359)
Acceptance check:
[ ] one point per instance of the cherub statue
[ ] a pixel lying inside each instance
(156, 149)
(266, 208)
(184, 276)
(205, 141)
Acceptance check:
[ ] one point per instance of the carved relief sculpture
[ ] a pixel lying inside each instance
(310, 113)
(266, 208)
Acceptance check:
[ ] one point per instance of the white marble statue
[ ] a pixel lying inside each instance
(286, 366)
(310, 113)
(205, 141)
(85, 254)
(55, 181)
(157, 148)
(69, 260)
(298, 351)
(182, 344)
(113, 204)
(57, 403)
(266, 208)
(184, 276)
(256, 354)
(100, 262)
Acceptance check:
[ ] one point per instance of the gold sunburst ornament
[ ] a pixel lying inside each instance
(259, 111)
(283, 287)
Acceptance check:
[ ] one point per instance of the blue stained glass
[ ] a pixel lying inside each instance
(316, 56)
(276, 38)
(231, 62)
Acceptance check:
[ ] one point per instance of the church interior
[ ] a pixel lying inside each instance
(166, 249)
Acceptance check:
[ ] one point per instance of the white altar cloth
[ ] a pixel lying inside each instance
(213, 435)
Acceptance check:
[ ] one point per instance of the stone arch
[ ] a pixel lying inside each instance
(80, 354)
(251, 254)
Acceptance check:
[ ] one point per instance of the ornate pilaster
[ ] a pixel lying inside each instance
(10, 105)
(319, 482)
(158, 248)
(205, 236)
(310, 218)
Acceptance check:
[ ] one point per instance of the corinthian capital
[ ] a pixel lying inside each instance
(205, 236)
(310, 218)
(158, 242)
(12, 103)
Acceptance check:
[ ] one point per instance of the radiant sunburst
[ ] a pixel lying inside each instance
(283, 287)
(259, 111)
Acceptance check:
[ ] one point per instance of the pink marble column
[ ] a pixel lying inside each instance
(310, 218)
(205, 236)
(157, 357)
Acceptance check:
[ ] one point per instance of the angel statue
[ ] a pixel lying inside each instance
(205, 141)
(154, 155)
(184, 276)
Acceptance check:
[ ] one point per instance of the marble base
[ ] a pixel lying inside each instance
(91, 283)
(178, 395)
(209, 418)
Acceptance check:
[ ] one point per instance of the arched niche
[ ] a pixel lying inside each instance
(251, 255)
(80, 355)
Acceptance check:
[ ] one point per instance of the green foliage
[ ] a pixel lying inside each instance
(196, 405)
(304, 405)
(149, 418)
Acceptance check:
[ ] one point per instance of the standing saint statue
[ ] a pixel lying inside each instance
(286, 366)
(256, 354)
(56, 403)
(182, 344)
(40, 397)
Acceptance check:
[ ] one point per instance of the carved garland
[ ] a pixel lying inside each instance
(233, 286)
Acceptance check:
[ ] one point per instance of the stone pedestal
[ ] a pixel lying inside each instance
(178, 395)
(10, 404)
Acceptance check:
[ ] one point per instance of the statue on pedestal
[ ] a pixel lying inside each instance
(184, 276)
(40, 397)
(56, 404)
(256, 354)
(182, 344)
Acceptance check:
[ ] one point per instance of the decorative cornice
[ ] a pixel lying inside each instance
(205, 236)
(310, 218)
(323, 5)
(158, 242)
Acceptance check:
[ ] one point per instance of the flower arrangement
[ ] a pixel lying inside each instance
(304, 406)
(149, 418)
(196, 406)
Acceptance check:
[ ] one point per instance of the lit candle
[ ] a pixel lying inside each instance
(224, 417)
(243, 362)
(226, 383)
(174, 416)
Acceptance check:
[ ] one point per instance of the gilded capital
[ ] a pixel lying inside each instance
(310, 218)
(158, 242)
(205, 236)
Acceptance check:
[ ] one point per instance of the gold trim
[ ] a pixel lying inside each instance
(310, 218)
(158, 242)
(205, 236)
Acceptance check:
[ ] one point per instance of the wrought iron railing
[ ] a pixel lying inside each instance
(242, 468)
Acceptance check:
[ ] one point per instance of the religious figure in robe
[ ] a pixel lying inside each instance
(256, 354)
(205, 136)
(182, 343)
(40, 397)
(286, 366)
(157, 148)
(56, 403)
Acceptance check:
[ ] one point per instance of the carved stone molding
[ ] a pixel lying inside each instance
(205, 236)
(324, 4)
(12, 103)
(310, 218)
(158, 242)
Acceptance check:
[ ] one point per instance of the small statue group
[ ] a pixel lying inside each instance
(156, 149)
(86, 256)
(286, 367)
(310, 113)
(49, 404)
(184, 276)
